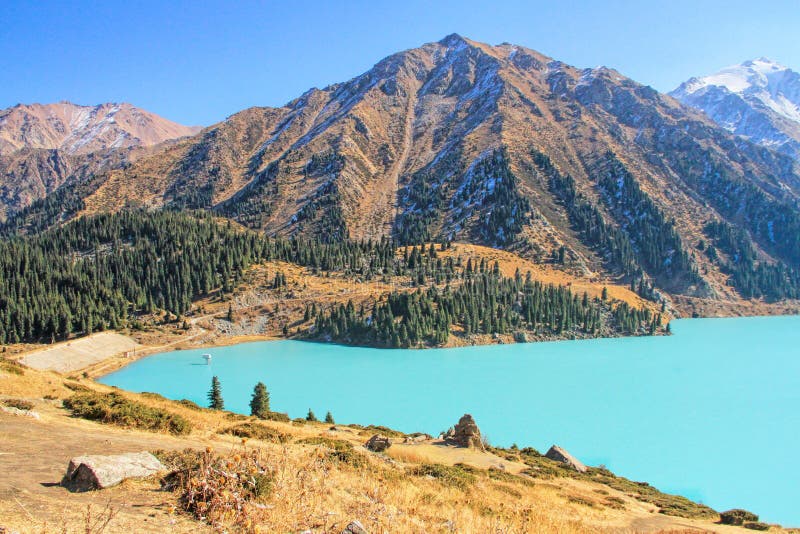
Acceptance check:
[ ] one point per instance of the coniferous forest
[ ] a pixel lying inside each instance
(105, 271)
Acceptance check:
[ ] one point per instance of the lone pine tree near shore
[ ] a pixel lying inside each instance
(259, 404)
(215, 401)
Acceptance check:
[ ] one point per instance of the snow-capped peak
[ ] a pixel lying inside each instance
(774, 85)
(758, 99)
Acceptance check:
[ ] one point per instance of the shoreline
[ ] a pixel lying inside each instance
(118, 360)
(698, 330)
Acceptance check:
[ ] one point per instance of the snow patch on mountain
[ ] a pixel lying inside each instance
(758, 99)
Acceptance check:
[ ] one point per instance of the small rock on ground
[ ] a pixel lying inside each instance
(355, 527)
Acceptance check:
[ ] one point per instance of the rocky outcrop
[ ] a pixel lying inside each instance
(378, 443)
(16, 411)
(560, 455)
(465, 434)
(86, 473)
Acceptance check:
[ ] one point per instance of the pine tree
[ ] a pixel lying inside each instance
(259, 404)
(215, 401)
(329, 418)
(311, 416)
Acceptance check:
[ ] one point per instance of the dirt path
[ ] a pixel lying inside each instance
(34, 455)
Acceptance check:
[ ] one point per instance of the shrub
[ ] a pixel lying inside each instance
(333, 444)
(12, 367)
(18, 404)
(349, 457)
(530, 451)
(379, 429)
(674, 505)
(77, 388)
(577, 499)
(504, 476)
(256, 431)
(276, 416)
(115, 409)
(177, 462)
(737, 516)
(221, 490)
(191, 404)
(545, 468)
(341, 451)
(756, 526)
(615, 502)
(459, 475)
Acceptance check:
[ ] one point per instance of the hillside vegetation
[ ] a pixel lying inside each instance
(117, 271)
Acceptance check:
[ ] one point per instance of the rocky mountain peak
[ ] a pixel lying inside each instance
(78, 129)
(758, 99)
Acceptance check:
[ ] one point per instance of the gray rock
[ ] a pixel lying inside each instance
(465, 434)
(17, 411)
(417, 438)
(355, 527)
(560, 455)
(86, 473)
(378, 443)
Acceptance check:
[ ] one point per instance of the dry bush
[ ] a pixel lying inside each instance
(18, 404)
(225, 491)
(256, 431)
(11, 366)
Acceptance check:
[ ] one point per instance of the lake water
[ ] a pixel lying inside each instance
(712, 412)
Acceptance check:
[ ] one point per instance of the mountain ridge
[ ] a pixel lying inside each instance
(43, 146)
(77, 129)
(496, 145)
(758, 99)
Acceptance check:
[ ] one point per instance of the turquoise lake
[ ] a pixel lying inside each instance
(711, 412)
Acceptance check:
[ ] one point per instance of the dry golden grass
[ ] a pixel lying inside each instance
(311, 485)
(545, 273)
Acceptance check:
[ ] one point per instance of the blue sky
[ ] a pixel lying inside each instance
(197, 62)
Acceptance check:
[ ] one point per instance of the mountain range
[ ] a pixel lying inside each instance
(454, 140)
(759, 99)
(44, 145)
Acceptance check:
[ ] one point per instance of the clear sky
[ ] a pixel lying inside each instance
(197, 62)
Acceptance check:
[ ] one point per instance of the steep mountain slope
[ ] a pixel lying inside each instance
(758, 99)
(45, 146)
(496, 145)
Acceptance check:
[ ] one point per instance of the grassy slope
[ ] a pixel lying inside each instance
(411, 489)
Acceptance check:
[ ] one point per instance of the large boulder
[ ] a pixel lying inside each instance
(560, 455)
(86, 473)
(465, 434)
(378, 443)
